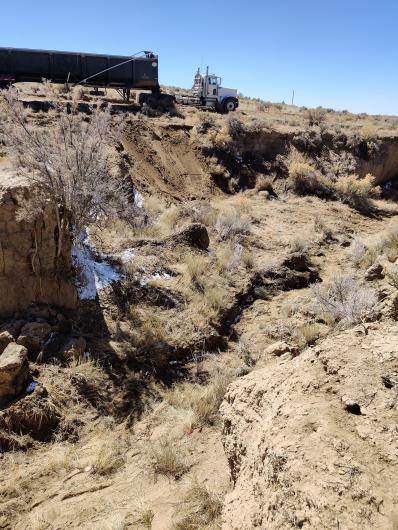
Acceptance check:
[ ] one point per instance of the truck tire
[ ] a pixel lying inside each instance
(229, 105)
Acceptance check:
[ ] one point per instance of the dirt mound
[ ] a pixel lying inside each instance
(311, 442)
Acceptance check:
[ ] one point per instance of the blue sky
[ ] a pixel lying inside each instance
(340, 54)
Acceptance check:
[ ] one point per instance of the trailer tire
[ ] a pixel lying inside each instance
(229, 105)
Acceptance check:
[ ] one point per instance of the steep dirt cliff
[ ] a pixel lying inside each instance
(312, 442)
(29, 269)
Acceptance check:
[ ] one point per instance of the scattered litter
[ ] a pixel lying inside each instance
(31, 387)
(138, 199)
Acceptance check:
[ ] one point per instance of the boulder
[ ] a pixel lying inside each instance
(34, 335)
(278, 348)
(375, 272)
(5, 339)
(14, 371)
(194, 235)
(14, 327)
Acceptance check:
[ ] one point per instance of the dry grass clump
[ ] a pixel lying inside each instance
(316, 116)
(368, 132)
(392, 276)
(196, 267)
(220, 139)
(343, 301)
(143, 517)
(166, 460)
(109, 447)
(308, 334)
(299, 244)
(202, 400)
(357, 191)
(201, 509)
(154, 205)
(264, 184)
(231, 222)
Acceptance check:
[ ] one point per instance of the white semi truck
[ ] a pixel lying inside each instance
(208, 92)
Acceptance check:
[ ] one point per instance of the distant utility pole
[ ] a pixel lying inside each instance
(293, 97)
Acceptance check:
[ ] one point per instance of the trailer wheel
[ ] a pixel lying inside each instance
(229, 105)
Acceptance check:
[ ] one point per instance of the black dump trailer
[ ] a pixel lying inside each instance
(121, 72)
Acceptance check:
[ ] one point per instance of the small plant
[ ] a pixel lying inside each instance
(357, 251)
(206, 122)
(109, 455)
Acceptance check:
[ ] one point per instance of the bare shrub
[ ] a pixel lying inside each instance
(71, 163)
(235, 127)
(344, 301)
(357, 251)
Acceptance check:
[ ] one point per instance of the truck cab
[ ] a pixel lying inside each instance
(208, 88)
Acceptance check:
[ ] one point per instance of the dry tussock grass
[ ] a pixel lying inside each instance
(108, 447)
(202, 401)
(200, 510)
(165, 459)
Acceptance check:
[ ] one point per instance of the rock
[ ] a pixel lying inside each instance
(14, 327)
(5, 339)
(278, 348)
(14, 370)
(33, 336)
(74, 348)
(242, 371)
(194, 235)
(375, 272)
(264, 194)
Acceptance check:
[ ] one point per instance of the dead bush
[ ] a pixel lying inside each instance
(71, 163)
(235, 127)
(206, 121)
(344, 301)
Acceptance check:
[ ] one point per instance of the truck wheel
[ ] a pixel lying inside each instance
(229, 105)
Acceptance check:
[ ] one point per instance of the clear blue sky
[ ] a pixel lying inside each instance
(336, 53)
